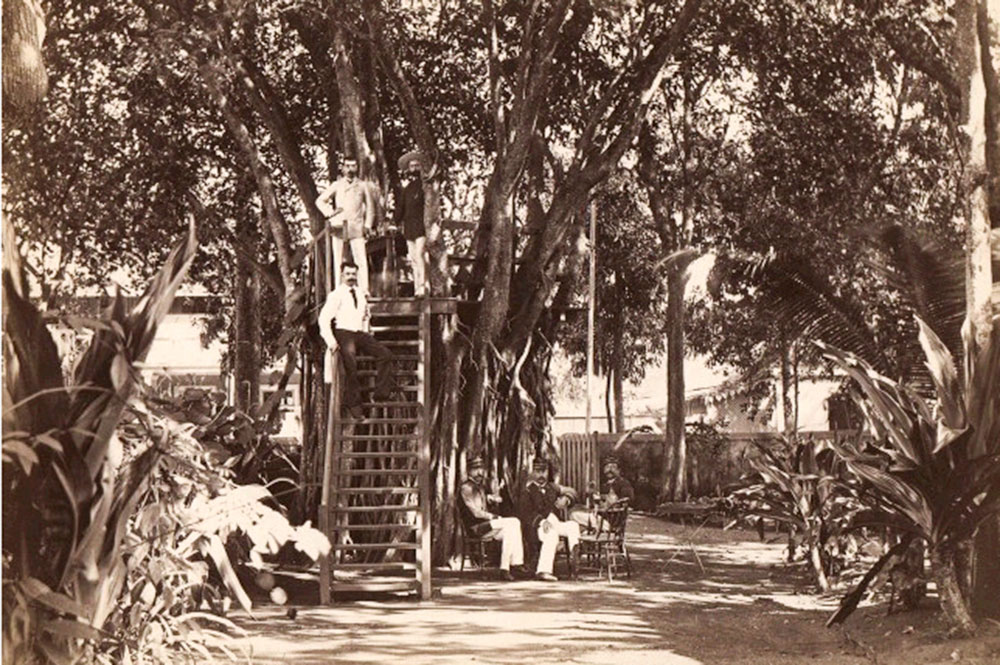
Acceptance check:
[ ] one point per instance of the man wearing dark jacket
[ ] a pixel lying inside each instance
(409, 214)
(543, 502)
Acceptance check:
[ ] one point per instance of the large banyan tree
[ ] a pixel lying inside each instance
(232, 112)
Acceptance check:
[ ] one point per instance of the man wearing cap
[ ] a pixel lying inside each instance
(616, 490)
(409, 214)
(616, 487)
(479, 520)
(544, 500)
(352, 219)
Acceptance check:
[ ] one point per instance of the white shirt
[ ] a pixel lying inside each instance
(356, 203)
(340, 308)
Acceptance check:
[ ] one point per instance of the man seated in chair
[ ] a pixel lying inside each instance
(481, 522)
(617, 491)
(544, 501)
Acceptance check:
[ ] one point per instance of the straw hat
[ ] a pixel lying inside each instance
(405, 160)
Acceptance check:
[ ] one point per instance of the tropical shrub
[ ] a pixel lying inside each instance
(935, 473)
(242, 439)
(801, 485)
(181, 573)
(111, 532)
(67, 499)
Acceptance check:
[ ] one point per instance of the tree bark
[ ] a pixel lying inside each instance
(979, 279)
(618, 381)
(785, 405)
(949, 588)
(676, 487)
(25, 80)
(245, 349)
(609, 413)
(986, 570)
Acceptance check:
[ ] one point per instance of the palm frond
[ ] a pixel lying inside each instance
(931, 279)
(33, 372)
(801, 300)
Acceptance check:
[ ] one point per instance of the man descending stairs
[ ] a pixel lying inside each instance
(376, 498)
(344, 323)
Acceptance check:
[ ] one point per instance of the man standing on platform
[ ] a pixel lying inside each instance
(481, 522)
(353, 218)
(409, 214)
(345, 322)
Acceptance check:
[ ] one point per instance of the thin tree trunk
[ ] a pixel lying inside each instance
(819, 570)
(676, 487)
(352, 106)
(786, 383)
(978, 272)
(618, 384)
(609, 413)
(245, 349)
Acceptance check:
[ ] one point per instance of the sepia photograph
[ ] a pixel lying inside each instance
(585, 332)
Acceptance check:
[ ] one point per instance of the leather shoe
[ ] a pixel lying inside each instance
(547, 577)
(506, 576)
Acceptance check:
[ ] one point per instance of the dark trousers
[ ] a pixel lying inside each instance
(350, 343)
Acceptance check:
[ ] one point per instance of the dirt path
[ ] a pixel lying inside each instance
(699, 596)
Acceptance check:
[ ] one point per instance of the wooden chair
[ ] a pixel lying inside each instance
(473, 546)
(607, 544)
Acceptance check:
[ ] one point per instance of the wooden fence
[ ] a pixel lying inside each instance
(709, 469)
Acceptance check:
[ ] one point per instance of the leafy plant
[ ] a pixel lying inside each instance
(62, 459)
(801, 486)
(178, 546)
(936, 474)
(111, 530)
(243, 441)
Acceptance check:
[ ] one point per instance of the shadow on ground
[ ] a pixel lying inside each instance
(698, 596)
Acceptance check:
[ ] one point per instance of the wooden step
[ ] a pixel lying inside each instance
(375, 546)
(390, 421)
(380, 437)
(396, 359)
(376, 490)
(374, 587)
(372, 509)
(396, 329)
(371, 527)
(396, 404)
(382, 565)
(376, 455)
(395, 371)
(375, 472)
(400, 388)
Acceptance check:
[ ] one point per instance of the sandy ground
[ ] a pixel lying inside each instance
(698, 596)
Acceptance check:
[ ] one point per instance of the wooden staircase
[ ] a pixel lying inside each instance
(375, 506)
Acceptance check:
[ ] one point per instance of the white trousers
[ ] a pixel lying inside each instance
(415, 249)
(550, 541)
(360, 258)
(508, 530)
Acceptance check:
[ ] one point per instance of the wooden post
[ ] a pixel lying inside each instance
(591, 315)
(424, 458)
(327, 563)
